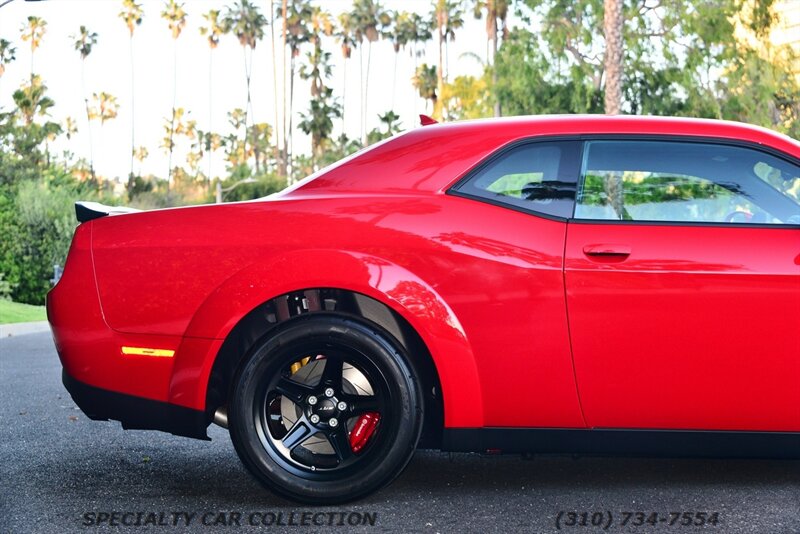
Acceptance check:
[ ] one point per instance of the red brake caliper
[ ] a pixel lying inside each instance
(365, 426)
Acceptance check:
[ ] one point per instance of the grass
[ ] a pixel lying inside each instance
(14, 312)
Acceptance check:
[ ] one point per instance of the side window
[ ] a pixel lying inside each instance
(537, 176)
(686, 182)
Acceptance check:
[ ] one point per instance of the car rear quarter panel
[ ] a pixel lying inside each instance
(486, 297)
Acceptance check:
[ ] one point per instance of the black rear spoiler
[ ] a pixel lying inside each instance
(86, 211)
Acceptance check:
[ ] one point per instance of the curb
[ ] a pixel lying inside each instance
(20, 329)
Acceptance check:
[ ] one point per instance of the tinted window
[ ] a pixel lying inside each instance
(687, 182)
(537, 176)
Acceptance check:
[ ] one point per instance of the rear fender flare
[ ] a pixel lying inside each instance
(396, 287)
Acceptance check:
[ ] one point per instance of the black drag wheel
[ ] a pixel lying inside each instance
(326, 410)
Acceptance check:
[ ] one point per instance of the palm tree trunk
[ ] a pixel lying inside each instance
(361, 90)
(210, 113)
(133, 110)
(612, 26)
(172, 119)
(248, 105)
(284, 156)
(291, 107)
(366, 93)
(88, 118)
(493, 37)
(276, 147)
(344, 91)
(439, 72)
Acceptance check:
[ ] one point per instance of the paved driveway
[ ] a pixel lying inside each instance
(60, 472)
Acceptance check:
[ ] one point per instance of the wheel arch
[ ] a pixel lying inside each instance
(380, 291)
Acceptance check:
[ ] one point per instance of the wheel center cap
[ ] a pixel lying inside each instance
(325, 408)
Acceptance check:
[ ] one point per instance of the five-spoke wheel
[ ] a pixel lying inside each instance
(327, 409)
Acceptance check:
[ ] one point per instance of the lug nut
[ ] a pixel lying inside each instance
(342, 406)
(333, 422)
(312, 400)
(314, 418)
(329, 392)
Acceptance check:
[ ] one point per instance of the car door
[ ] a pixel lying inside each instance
(682, 276)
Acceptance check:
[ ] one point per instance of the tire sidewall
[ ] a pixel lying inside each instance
(380, 466)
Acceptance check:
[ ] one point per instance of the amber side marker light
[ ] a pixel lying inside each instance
(143, 351)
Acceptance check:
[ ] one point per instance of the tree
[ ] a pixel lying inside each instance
(612, 27)
(425, 80)
(83, 43)
(346, 35)
(7, 55)
(132, 14)
(400, 33)
(296, 19)
(318, 122)
(31, 100)
(34, 32)
(175, 16)
(104, 107)
(467, 97)
(448, 17)
(276, 129)
(369, 19)
(212, 31)
(421, 34)
(681, 57)
(496, 16)
(391, 120)
(246, 22)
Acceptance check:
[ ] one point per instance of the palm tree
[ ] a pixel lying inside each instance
(104, 107)
(421, 33)
(84, 41)
(173, 125)
(175, 16)
(612, 27)
(132, 14)
(400, 34)
(296, 32)
(448, 17)
(212, 32)
(141, 153)
(370, 19)
(276, 146)
(284, 159)
(70, 127)
(7, 55)
(31, 100)
(425, 80)
(496, 15)
(318, 122)
(246, 22)
(34, 32)
(347, 41)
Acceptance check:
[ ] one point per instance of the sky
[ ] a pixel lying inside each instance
(108, 69)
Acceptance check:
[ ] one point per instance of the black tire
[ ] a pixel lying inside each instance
(283, 462)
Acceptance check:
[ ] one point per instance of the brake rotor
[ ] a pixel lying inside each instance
(308, 371)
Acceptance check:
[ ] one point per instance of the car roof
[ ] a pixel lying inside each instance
(431, 158)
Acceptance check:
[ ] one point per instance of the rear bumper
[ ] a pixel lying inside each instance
(136, 412)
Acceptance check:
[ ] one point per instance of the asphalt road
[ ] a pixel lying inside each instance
(59, 471)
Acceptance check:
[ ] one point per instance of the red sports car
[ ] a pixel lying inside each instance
(552, 285)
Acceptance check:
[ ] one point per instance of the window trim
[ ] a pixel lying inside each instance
(583, 139)
(738, 143)
(502, 151)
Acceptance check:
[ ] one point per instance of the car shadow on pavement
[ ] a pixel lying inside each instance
(176, 475)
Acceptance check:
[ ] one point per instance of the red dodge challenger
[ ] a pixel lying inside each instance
(580, 285)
